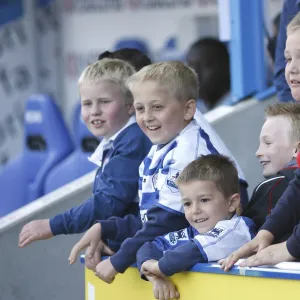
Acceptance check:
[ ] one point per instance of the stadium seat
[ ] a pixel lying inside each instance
(135, 43)
(46, 143)
(76, 164)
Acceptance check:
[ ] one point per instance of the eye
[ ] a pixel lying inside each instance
(139, 108)
(203, 200)
(86, 103)
(186, 204)
(158, 107)
(287, 60)
(105, 101)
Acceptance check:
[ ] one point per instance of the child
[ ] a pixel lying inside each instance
(164, 100)
(209, 187)
(108, 112)
(286, 215)
(279, 144)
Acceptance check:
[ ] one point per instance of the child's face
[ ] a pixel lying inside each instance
(276, 147)
(205, 206)
(159, 115)
(292, 68)
(103, 108)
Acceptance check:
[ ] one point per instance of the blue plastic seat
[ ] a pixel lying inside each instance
(46, 143)
(76, 164)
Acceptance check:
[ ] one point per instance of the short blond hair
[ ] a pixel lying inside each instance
(291, 111)
(213, 167)
(175, 77)
(107, 69)
(294, 24)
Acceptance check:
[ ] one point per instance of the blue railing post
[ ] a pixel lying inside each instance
(247, 64)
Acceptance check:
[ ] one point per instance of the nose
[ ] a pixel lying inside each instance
(148, 116)
(196, 209)
(258, 152)
(96, 109)
(293, 68)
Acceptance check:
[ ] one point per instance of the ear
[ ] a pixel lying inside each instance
(234, 202)
(130, 109)
(296, 150)
(190, 109)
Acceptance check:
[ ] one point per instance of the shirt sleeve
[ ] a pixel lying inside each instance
(226, 237)
(114, 193)
(172, 261)
(159, 222)
(283, 90)
(286, 214)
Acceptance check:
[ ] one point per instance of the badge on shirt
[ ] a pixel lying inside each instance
(171, 179)
(215, 232)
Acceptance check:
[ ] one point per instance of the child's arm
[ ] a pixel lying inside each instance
(226, 237)
(163, 288)
(159, 222)
(115, 191)
(168, 262)
(286, 214)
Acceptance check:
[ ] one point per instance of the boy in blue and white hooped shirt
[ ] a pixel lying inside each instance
(209, 188)
(164, 99)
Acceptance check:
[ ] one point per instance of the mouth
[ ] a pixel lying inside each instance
(264, 163)
(295, 82)
(201, 220)
(153, 127)
(97, 122)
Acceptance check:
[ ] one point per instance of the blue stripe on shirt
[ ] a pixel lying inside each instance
(209, 144)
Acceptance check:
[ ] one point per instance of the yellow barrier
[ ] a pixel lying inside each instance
(204, 281)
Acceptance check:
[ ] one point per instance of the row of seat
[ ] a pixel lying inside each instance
(50, 156)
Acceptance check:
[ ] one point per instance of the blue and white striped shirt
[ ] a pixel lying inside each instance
(162, 166)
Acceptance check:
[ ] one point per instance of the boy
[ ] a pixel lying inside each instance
(108, 112)
(209, 187)
(164, 100)
(279, 145)
(286, 215)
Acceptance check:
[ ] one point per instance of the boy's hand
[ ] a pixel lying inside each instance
(90, 240)
(163, 288)
(271, 255)
(102, 249)
(150, 268)
(34, 231)
(263, 239)
(106, 271)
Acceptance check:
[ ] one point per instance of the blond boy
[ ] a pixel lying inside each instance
(107, 110)
(164, 100)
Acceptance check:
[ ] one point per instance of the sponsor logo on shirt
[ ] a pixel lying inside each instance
(173, 237)
(215, 232)
(173, 175)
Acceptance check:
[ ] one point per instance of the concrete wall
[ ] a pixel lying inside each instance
(41, 270)
(239, 127)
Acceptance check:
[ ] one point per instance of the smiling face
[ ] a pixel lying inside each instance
(160, 116)
(276, 146)
(205, 205)
(292, 68)
(103, 108)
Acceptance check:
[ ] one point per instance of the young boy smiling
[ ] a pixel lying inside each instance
(209, 187)
(164, 100)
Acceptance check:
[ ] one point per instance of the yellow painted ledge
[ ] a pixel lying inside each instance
(199, 285)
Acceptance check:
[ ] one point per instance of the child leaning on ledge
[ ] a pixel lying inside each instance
(209, 188)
